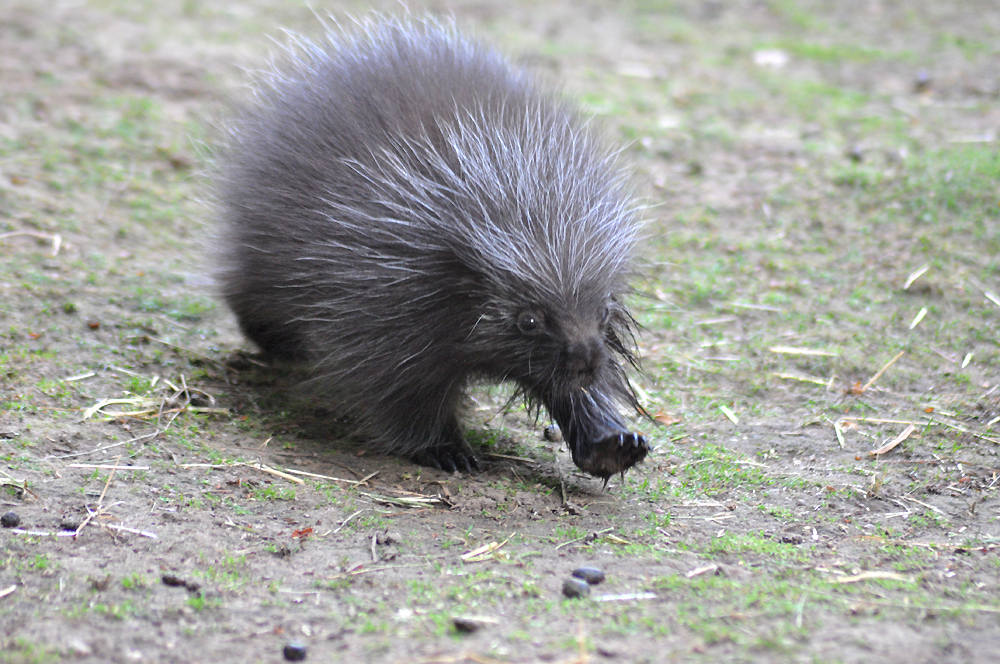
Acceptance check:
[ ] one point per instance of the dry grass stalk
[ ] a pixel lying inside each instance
(881, 371)
(54, 238)
(915, 275)
(789, 350)
(874, 574)
(802, 379)
(919, 317)
(895, 441)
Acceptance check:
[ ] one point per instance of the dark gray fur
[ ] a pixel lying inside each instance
(398, 205)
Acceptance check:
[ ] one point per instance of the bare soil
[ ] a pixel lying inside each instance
(761, 528)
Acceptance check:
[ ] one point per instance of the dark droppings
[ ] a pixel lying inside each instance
(178, 582)
(575, 588)
(10, 520)
(591, 575)
(408, 214)
(294, 652)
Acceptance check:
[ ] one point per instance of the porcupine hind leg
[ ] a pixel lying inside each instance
(593, 429)
(276, 337)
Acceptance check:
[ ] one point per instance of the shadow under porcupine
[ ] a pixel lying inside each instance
(406, 213)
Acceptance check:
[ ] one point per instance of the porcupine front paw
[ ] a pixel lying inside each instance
(448, 457)
(612, 454)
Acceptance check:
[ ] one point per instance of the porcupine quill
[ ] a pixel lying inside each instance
(407, 214)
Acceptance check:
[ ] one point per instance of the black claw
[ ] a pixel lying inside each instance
(611, 455)
(470, 463)
(448, 458)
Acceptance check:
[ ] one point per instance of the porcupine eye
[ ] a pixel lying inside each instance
(529, 323)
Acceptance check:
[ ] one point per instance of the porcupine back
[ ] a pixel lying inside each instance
(394, 200)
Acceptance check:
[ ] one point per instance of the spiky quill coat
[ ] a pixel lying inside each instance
(408, 213)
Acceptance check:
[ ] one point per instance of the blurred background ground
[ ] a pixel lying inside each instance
(820, 283)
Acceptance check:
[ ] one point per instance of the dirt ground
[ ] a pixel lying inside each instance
(822, 189)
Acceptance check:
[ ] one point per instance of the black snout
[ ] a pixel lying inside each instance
(584, 359)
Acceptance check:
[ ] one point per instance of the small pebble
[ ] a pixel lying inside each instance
(591, 575)
(574, 587)
(10, 520)
(295, 652)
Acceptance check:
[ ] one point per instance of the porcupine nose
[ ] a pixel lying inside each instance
(584, 358)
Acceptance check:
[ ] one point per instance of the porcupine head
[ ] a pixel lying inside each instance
(411, 214)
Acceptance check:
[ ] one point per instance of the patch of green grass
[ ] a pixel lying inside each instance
(134, 581)
(833, 53)
(739, 544)
(200, 602)
(272, 492)
(41, 562)
(19, 650)
(713, 468)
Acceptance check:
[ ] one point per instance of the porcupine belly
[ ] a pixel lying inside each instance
(407, 213)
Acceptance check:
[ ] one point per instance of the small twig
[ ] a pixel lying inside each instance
(930, 507)
(801, 379)
(788, 350)
(363, 480)
(704, 569)
(54, 238)
(277, 473)
(624, 598)
(78, 377)
(882, 371)
(100, 500)
(512, 458)
(483, 553)
(874, 574)
(106, 467)
(595, 534)
(403, 502)
(915, 275)
(319, 477)
(873, 420)
(255, 465)
(895, 441)
(345, 521)
(144, 533)
(758, 307)
(919, 317)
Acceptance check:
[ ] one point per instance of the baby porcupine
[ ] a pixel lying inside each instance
(408, 214)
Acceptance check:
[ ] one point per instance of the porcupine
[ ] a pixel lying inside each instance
(408, 213)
